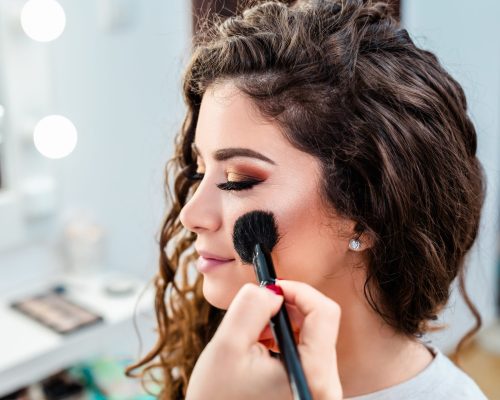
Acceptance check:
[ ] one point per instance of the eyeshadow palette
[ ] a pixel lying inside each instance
(55, 311)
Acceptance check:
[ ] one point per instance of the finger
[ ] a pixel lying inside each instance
(321, 316)
(247, 315)
(296, 319)
(271, 344)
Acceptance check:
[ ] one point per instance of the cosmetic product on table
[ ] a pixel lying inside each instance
(84, 244)
(53, 310)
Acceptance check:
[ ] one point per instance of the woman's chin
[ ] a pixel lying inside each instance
(216, 296)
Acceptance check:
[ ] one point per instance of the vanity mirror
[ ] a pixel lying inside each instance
(27, 190)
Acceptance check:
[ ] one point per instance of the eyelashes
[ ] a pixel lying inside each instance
(229, 185)
(239, 185)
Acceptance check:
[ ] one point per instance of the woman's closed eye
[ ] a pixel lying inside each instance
(238, 185)
(234, 181)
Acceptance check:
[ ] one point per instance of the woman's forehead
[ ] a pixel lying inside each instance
(234, 123)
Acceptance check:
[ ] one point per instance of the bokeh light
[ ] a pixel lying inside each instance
(55, 136)
(43, 20)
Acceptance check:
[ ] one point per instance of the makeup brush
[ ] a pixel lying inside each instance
(254, 237)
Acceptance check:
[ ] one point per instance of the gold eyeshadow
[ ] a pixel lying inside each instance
(236, 177)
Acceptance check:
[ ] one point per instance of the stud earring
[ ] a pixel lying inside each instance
(354, 244)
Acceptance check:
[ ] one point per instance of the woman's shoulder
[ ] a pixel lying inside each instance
(441, 379)
(454, 381)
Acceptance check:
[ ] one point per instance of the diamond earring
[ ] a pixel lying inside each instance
(354, 244)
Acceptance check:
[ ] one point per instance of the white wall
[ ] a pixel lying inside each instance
(121, 88)
(464, 35)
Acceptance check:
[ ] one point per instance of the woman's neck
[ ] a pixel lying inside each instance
(371, 356)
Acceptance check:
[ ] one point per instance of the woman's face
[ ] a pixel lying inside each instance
(235, 145)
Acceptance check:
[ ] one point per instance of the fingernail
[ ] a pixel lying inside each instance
(275, 288)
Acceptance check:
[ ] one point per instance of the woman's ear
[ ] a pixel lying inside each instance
(366, 240)
(360, 239)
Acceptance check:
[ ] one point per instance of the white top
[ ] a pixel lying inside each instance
(440, 380)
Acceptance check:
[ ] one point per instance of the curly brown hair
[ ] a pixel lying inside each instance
(390, 127)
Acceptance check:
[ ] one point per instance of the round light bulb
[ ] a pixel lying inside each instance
(43, 20)
(55, 136)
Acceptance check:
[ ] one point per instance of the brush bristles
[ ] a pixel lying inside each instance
(252, 228)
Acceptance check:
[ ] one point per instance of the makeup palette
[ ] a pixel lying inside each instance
(55, 311)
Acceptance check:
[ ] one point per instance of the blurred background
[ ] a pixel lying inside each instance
(90, 101)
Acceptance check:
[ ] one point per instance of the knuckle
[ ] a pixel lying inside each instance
(332, 308)
(248, 293)
(247, 287)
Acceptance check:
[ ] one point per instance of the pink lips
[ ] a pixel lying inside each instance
(208, 261)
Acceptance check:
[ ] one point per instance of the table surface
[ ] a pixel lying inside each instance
(30, 351)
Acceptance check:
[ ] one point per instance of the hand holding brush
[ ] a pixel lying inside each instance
(234, 365)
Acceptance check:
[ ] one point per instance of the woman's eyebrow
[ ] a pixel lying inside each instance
(230, 152)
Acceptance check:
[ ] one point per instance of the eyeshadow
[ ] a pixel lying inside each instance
(56, 312)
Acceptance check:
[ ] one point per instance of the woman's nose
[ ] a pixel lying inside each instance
(201, 213)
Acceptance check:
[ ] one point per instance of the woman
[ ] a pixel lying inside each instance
(328, 115)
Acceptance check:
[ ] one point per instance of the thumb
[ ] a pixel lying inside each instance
(321, 317)
(247, 315)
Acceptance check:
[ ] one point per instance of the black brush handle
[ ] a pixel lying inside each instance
(282, 328)
(282, 331)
